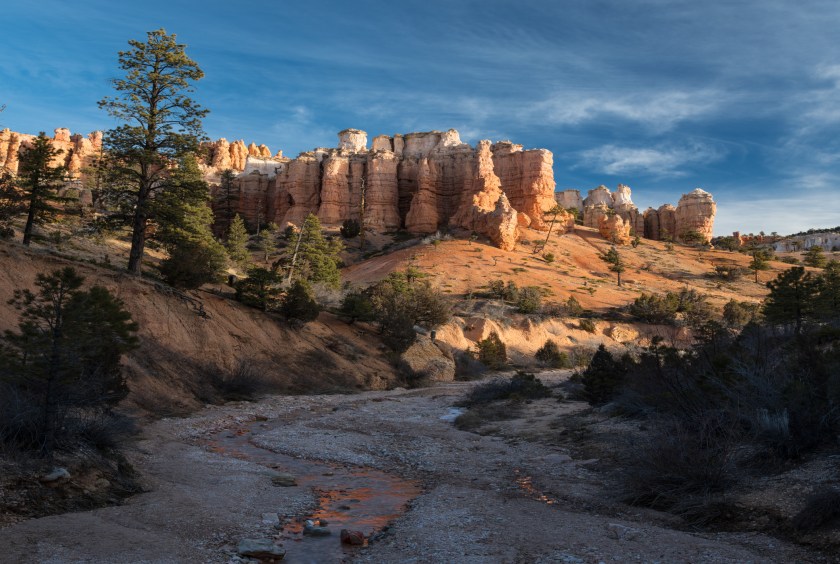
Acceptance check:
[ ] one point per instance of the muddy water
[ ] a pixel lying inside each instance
(354, 498)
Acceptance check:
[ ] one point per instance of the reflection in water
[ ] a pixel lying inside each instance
(360, 499)
(526, 484)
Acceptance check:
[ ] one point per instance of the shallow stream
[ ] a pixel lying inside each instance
(354, 498)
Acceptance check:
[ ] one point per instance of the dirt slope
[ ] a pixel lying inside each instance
(459, 266)
(167, 372)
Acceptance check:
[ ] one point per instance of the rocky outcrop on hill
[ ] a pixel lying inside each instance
(694, 213)
(420, 182)
(77, 151)
(613, 228)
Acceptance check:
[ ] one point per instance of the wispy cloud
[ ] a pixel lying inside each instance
(660, 161)
(659, 111)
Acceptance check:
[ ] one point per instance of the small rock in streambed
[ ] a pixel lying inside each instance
(315, 528)
(270, 519)
(56, 475)
(354, 538)
(283, 480)
(264, 549)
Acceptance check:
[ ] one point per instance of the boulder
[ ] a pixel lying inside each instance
(283, 480)
(613, 228)
(424, 357)
(353, 538)
(263, 549)
(56, 475)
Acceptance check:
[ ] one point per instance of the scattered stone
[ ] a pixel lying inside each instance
(56, 475)
(264, 549)
(283, 480)
(315, 528)
(354, 538)
(621, 532)
(270, 519)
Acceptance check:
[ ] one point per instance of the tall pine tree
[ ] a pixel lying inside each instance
(183, 217)
(39, 179)
(161, 123)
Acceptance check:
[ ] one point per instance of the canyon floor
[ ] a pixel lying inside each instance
(388, 463)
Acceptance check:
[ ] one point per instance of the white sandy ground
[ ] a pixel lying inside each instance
(473, 509)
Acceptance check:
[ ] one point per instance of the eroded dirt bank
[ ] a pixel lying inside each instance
(477, 500)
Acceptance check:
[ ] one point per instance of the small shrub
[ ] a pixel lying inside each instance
(573, 307)
(586, 325)
(681, 467)
(789, 260)
(581, 356)
(357, 306)
(350, 228)
(548, 257)
(521, 386)
(193, 263)
(299, 302)
(729, 272)
(737, 314)
(550, 355)
(529, 300)
(492, 351)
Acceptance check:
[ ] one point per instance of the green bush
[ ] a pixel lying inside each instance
(521, 386)
(260, 289)
(587, 325)
(548, 257)
(550, 355)
(492, 351)
(529, 300)
(737, 314)
(573, 307)
(299, 302)
(350, 228)
(602, 378)
(402, 301)
(191, 264)
(357, 306)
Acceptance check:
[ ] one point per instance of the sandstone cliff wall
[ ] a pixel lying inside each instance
(694, 212)
(77, 151)
(420, 182)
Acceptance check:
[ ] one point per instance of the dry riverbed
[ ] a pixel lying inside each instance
(390, 464)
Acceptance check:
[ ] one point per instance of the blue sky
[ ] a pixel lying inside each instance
(741, 98)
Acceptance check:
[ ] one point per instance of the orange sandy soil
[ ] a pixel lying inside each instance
(459, 266)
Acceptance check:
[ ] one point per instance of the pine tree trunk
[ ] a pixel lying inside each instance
(138, 233)
(30, 220)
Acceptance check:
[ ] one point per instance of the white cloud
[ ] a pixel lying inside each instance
(660, 161)
(659, 111)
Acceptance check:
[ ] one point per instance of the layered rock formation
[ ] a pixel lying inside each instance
(77, 151)
(420, 182)
(695, 212)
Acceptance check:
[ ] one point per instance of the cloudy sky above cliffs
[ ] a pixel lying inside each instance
(741, 98)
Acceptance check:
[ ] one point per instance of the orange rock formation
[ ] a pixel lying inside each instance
(420, 182)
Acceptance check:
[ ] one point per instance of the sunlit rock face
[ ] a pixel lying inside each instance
(78, 152)
(420, 182)
(569, 199)
(695, 212)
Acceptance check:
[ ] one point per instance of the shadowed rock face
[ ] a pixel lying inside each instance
(420, 182)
